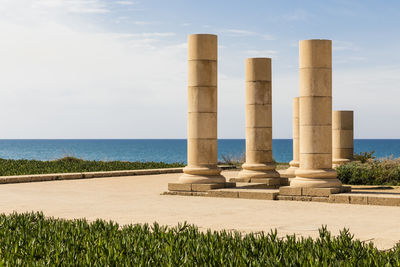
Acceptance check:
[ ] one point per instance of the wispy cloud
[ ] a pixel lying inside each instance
(349, 59)
(73, 6)
(297, 15)
(241, 33)
(125, 19)
(138, 35)
(148, 40)
(344, 46)
(84, 76)
(152, 34)
(141, 22)
(261, 52)
(125, 3)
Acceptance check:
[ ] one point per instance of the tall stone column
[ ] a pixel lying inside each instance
(202, 111)
(342, 137)
(315, 116)
(259, 165)
(295, 163)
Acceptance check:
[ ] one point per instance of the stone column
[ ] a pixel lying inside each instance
(202, 112)
(342, 137)
(259, 165)
(295, 163)
(315, 116)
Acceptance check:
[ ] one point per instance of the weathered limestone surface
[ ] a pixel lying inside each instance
(342, 137)
(198, 187)
(315, 116)
(202, 111)
(312, 192)
(295, 163)
(259, 162)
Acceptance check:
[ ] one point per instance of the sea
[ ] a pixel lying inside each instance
(166, 150)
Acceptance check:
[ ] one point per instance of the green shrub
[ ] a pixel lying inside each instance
(229, 159)
(69, 159)
(71, 164)
(31, 239)
(364, 156)
(373, 172)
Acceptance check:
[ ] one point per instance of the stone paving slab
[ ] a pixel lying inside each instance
(312, 192)
(366, 199)
(269, 183)
(245, 193)
(198, 187)
(266, 194)
(83, 175)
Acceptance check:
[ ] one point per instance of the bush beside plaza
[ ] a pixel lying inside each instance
(71, 164)
(371, 172)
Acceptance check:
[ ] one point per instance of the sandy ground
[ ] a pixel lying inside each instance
(137, 199)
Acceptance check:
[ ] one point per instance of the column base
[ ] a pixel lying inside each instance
(337, 162)
(260, 173)
(294, 164)
(202, 175)
(325, 178)
(290, 172)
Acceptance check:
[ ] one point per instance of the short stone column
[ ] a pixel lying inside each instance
(259, 165)
(202, 112)
(295, 163)
(342, 137)
(315, 116)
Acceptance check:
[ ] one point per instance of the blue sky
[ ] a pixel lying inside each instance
(117, 69)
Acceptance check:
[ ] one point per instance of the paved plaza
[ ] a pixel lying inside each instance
(137, 199)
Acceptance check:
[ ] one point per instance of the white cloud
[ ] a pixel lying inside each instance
(344, 46)
(143, 22)
(73, 6)
(153, 34)
(297, 15)
(242, 33)
(125, 3)
(60, 82)
(349, 59)
(371, 92)
(261, 53)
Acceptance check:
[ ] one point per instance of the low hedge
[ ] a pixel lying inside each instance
(30, 239)
(372, 172)
(71, 164)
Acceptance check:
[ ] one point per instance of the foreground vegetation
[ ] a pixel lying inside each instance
(371, 172)
(31, 239)
(71, 164)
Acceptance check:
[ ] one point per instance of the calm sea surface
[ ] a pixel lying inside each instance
(167, 150)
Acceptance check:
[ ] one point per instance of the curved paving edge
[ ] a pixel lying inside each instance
(82, 175)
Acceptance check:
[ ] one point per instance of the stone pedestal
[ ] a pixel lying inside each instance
(259, 165)
(295, 163)
(202, 112)
(315, 116)
(342, 137)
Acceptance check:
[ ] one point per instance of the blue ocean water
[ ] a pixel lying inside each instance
(167, 150)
